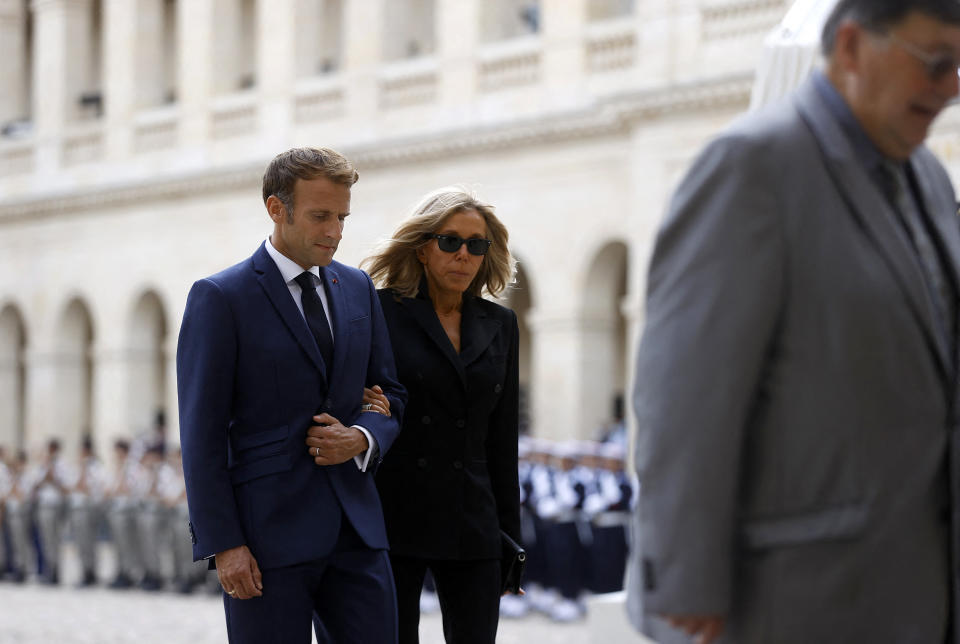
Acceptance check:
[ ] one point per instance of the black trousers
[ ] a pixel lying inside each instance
(469, 593)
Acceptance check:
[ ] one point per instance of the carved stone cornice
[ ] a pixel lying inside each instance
(608, 117)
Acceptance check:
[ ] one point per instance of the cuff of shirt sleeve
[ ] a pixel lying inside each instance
(363, 459)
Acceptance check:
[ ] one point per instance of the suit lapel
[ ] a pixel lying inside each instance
(476, 331)
(338, 302)
(421, 310)
(876, 217)
(279, 295)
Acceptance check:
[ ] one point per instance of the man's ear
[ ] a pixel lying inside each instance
(847, 47)
(276, 209)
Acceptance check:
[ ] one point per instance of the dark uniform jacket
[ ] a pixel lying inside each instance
(449, 484)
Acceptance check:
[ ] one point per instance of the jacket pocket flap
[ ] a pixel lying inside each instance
(270, 465)
(830, 524)
(256, 439)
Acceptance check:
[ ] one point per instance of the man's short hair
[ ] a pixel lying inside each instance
(878, 16)
(304, 163)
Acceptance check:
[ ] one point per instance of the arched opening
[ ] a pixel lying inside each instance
(506, 19)
(88, 35)
(598, 10)
(604, 350)
(235, 45)
(156, 47)
(16, 79)
(408, 29)
(146, 364)
(74, 375)
(319, 40)
(13, 343)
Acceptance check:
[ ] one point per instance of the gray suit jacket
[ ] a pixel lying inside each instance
(795, 398)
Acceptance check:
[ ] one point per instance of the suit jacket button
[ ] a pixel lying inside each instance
(457, 465)
(461, 423)
(425, 420)
(497, 388)
(421, 463)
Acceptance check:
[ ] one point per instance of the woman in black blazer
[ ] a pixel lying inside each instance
(449, 483)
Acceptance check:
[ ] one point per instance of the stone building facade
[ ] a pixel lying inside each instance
(135, 132)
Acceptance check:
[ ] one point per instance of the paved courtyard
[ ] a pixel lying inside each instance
(34, 614)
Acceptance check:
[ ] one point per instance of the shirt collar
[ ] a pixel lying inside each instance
(289, 269)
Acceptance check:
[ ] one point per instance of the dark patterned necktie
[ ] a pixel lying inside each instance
(897, 186)
(316, 318)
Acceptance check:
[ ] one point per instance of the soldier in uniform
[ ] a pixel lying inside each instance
(50, 493)
(85, 502)
(608, 506)
(122, 515)
(151, 515)
(18, 506)
(187, 573)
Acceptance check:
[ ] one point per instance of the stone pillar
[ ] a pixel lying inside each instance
(41, 402)
(276, 71)
(563, 24)
(194, 79)
(55, 84)
(458, 34)
(123, 44)
(556, 406)
(14, 87)
(110, 394)
(171, 404)
(363, 45)
(11, 380)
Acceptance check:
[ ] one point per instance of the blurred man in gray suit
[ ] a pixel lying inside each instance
(796, 391)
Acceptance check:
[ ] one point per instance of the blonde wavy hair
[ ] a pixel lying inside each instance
(395, 265)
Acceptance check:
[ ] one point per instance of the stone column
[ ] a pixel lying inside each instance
(56, 82)
(276, 71)
(562, 28)
(171, 403)
(122, 46)
(14, 87)
(363, 54)
(11, 380)
(41, 402)
(458, 36)
(556, 406)
(110, 394)
(194, 79)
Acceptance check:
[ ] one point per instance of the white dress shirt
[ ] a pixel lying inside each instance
(289, 270)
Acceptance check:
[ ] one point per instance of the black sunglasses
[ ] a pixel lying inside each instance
(452, 243)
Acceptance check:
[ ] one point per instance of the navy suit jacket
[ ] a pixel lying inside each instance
(250, 378)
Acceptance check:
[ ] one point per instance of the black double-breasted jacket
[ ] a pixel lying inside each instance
(449, 483)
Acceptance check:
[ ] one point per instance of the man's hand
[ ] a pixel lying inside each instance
(330, 443)
(238, 573)
(703, 628)
(377, 400)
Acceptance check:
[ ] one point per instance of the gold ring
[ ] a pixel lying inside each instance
(316, 451)
(366, 406)
(231, 592)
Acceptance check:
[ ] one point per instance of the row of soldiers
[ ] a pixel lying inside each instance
(576, 501)
(139, 503)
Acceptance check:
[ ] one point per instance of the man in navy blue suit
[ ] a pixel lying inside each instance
(278, 449)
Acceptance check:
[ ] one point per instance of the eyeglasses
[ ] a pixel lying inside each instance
(937, 66)
(452, 243)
